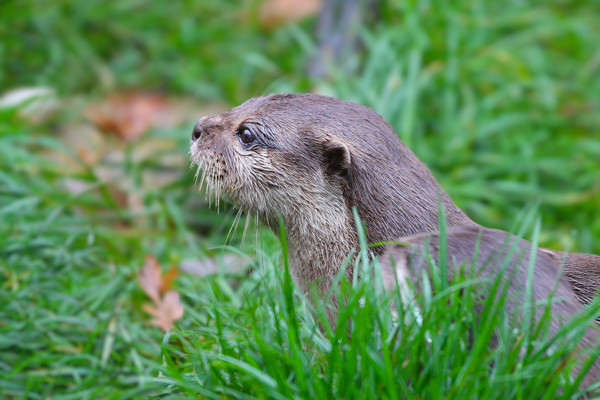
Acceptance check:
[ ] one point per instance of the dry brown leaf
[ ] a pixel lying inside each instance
(167, 311)
(150, 278)
(87, 156)
(168, 279)
(128, 114)
(274, 13)
(119, 195)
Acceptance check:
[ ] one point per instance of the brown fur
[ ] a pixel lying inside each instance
(583, 272)
(318, 157)
(321, 157)
(494, 248)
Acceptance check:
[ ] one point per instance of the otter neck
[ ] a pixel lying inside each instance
(319, 242)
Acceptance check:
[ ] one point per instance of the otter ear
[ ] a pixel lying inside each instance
(337, 158)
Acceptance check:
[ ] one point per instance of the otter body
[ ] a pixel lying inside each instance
(310, 159)
(499, 256)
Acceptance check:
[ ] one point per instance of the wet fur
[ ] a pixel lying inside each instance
(319, 160)
(319, 157)
(499, 254)
(322, 156)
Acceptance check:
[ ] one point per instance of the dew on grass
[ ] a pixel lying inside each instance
(361, 302)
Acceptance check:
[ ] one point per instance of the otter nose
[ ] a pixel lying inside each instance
(197, 131)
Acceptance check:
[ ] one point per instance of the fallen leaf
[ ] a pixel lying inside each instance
(274, 13)
(166, 308)
(150, 278)
(166, 312)
(168, 279)
(128, 114)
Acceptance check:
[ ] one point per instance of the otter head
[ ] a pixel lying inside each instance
(273, 156)
(310, 159)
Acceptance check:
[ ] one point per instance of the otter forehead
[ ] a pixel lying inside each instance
(297, 115)
(307, 107)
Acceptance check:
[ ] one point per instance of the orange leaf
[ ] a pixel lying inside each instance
(168, 310)
(274, 13)
(150, 278)
(168, 279)
(128, 114)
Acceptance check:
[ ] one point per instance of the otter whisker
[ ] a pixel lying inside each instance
(218, 195)
(245, 230)
(233, 229)
(197, 176)
(258, 241)
(193, 163)
(257, 235)
(208, 193)
(202, 183)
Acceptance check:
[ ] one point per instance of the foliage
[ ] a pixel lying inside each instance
(200, 48)
(500, 99)
(453, 339)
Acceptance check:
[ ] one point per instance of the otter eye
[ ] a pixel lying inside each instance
(246, 136)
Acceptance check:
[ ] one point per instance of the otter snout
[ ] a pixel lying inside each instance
(205, 125)
(198, 129)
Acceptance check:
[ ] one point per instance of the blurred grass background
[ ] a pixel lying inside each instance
(500, 99)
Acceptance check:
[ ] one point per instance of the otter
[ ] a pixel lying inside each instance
(310, 160)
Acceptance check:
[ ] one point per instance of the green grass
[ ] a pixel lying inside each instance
(254, 341)
(500, 99)
(69, 322)
(209, 49)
